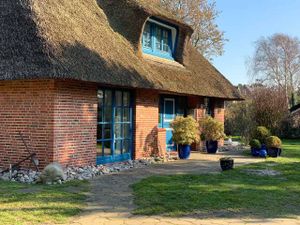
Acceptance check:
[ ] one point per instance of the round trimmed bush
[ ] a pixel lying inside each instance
(273, 142)
(254, 143)
(261, 133)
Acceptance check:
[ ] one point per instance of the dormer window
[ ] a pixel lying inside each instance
(159, 39)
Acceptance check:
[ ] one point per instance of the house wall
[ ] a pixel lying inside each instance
(75, 123)
(57, 119)
(26, 107)
(146, 141)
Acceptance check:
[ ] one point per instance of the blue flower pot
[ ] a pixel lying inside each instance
(263, 153)
(255, 152)
(212, 147)
(184, 151)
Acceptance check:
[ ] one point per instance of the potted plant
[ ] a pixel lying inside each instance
(261, 133)
(273, 146)
(212, 131)
(255, 147)
(185, 133)
(226, 163)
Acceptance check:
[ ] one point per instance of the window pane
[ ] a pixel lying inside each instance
(165, 40)
(107, 148)
(100, 96)
(147, 36)
(108, 98)
(100, 117)
(118, 98)
(126, 99)
(118, 116)
(126, 130)
(107, 131)
(126, 146)
(118, 148)
(118, 130)
(99, 132)
(158, 35)
(181, 106)
(99, 149)
(107, 114)
(126, 115)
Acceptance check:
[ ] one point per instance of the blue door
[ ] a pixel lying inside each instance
(169, 114)
(170, 107)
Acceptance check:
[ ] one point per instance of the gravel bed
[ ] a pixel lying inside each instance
(77, 173)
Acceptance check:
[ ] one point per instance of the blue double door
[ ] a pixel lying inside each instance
(170, 107)
(114, 130)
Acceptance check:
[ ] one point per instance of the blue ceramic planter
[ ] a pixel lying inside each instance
(212, 147)
(255, 152)
(263, 153)
(184, 151)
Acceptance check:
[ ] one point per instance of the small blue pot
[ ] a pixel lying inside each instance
(184, 151)
(263, 153)
(255, 152)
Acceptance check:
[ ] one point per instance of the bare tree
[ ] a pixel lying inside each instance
(276, 62)
(201, 15)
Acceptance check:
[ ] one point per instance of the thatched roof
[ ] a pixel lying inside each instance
(99, 41)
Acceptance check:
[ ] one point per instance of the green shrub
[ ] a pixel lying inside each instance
(212, 129)
(273, 142)
(185, 130)
(261, 133)
(254, 143)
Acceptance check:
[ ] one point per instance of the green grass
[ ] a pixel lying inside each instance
(35, 204)
(229, 194)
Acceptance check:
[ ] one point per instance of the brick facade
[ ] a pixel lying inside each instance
(75, 123)
(59, 121)
(26, 107)
(56, 118)
(146, 123)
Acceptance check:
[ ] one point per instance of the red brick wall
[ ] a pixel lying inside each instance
(161, 141)
(57, 118)
(26, 106)
(146, 123)
(219, 113)
(75, 123)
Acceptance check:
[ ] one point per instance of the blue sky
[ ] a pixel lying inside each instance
(244, 22)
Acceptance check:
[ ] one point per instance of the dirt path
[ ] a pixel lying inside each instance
(111, 200)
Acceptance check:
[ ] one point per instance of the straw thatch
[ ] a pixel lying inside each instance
(99, 41)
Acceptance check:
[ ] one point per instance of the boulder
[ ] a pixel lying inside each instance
(52, 173)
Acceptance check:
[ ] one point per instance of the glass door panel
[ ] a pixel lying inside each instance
(114, 130)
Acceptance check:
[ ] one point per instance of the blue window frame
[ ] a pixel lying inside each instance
(158, 40)
(114, 130)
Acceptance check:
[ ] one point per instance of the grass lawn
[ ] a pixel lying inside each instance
(229, 194)
(36, 204)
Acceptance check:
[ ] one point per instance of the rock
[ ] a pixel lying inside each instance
(52, 173)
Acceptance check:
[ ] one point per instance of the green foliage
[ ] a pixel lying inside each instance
(212, 129)
(239, 120)
(261, 133)
(254, 143)
(185, 130)
(273, 142)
